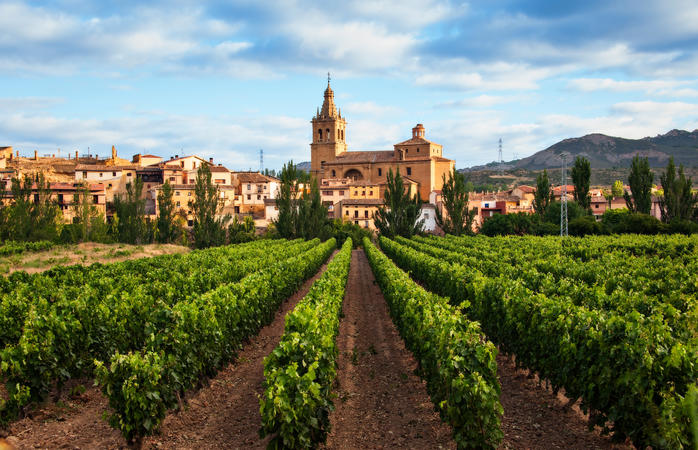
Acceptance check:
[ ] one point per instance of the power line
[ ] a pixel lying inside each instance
(563, 198)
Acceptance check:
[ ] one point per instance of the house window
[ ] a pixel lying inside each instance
(356, 222)
(84, 174)
(380, 172)
(95, 199)
(249, 187)
(417, 149)
(178, 204)
(409, 171)
(113, 174)
(188, 194)
(172, 179)
(60, 198)
(366, 214)
(596, 206)
(177, 193)
(190, 223)
(259, 197)
(334, 173)
(341, 192)
(129, 174)
(370, 193)
(356, 213)
(100, 174)
(249, 197)
(109, 186)
(366, 223)
(346, 213)
(363, 193)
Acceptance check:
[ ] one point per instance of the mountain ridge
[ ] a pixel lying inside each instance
(605, 151)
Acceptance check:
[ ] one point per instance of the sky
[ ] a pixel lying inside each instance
(226, 79)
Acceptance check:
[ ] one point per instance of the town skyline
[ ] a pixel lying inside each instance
(224, 81)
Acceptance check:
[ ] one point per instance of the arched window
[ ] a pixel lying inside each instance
(334, 174)
(354, 174)
(319, 134)
(327, 134)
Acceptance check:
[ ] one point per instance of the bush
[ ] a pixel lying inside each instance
(552, 214)
(682, 226)
(506, 224)
(582, 226)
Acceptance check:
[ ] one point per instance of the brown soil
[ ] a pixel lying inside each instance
(86, 253)
(224, 414)
(534, 418)
(381, 402)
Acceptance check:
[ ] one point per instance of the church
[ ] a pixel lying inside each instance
(419, 160)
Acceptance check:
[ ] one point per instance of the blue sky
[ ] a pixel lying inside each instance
(224, 79)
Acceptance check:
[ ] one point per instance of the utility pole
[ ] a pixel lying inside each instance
(261, 160)
(501, 159)
(563, 198)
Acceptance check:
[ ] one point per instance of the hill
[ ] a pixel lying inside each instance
(607, 152)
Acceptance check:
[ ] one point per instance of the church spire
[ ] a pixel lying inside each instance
(328, 107)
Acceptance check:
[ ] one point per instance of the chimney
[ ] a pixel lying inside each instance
(210, 160)
(76, 155)
(113, 153)
(176, 156)
(36, 155)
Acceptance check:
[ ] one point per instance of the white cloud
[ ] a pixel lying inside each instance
(370, 108)
(656, 87)
(165, 134)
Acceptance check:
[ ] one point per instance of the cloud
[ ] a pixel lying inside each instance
(480, 101)
(28, 103)
(164, 134)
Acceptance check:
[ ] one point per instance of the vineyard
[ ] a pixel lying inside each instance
(297, 342)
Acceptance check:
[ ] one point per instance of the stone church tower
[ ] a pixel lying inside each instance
(328, 134)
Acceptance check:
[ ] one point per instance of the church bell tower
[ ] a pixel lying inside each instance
(328, 134)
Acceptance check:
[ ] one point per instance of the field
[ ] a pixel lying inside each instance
(32, 261)
(425, 342)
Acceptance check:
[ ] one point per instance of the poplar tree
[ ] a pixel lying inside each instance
(678, 201)
(130, 211)
(581, 176)
(400, 215)
(209, 226)
(167, 227)
(455, 195)
(543, 195)
(640, 182)
(287, 202)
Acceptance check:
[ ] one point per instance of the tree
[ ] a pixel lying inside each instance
(400, 215)
(287, 201)
(312, 214)
(544, 195)
(678, 201)
(33, 215)
(168, 229)
(89, 223)
(640, 181)
(130, 213)
(459, 219)
(209, 226)
(617, 189)
(581, 174)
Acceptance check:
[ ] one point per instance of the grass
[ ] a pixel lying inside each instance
(87, 253)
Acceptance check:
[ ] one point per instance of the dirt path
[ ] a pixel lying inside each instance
(536, 419)
(381, 403)
(224, 414)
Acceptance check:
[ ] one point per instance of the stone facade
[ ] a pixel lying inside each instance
(416, 158)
